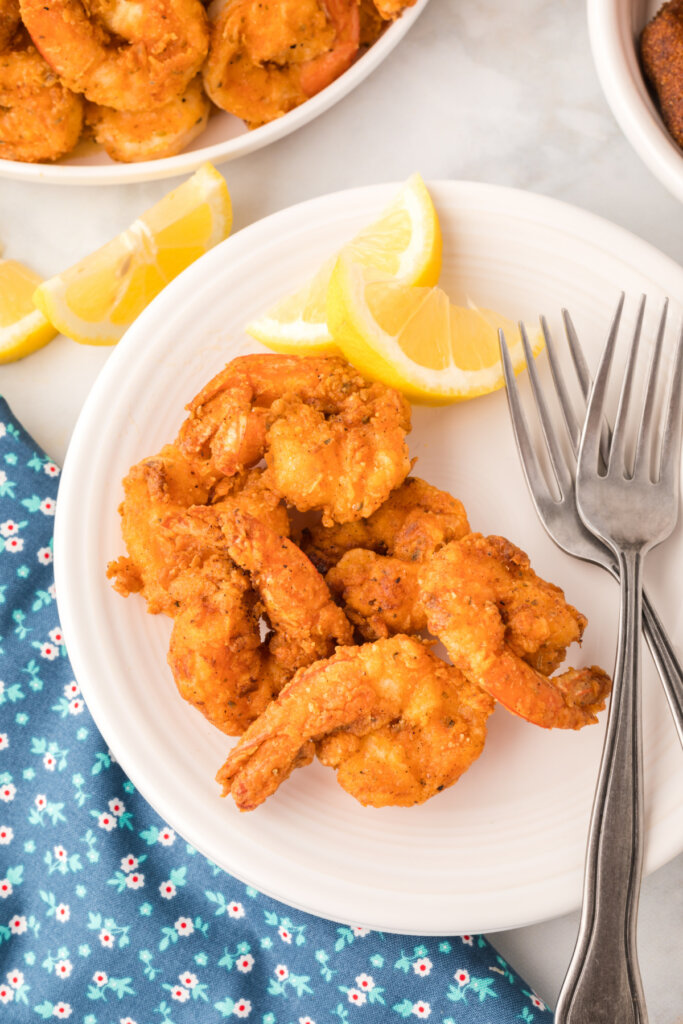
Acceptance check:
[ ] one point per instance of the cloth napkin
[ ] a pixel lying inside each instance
(108, 917)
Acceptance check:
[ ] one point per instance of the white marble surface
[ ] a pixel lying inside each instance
(501, 91)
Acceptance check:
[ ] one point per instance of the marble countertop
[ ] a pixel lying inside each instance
(501, 91)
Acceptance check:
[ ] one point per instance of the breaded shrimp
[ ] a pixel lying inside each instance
(131, 136)
(161, 542)
(381, 592)
(504, 627)
(331, 440)
(219, 662)
(125, 55)
(396, 722)
(413, 522)
(40, 119)
(267, 58)
(661, 48)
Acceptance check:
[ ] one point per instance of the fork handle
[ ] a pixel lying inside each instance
(603, 984)
(666, 661)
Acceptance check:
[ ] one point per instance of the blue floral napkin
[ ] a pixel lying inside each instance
(108, 917)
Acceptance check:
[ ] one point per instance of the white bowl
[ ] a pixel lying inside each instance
(225, 138)
(615, 27)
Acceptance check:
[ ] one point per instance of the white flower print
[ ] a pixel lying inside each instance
(242, 1008)
(50, 762)
(100, 979)
(538, 1003)
(106, 938)
(49, 651)
(60, 852)
(5, 888)
(106, 821)
(3, 429)
(52, 591)
(423, 966)
(15, 978)
(365, 982)
(7, 792)
(18, 925)
(129, 863)
(281, 972)
(71, 689)
(468, 939)
(14, 544)
(44, 556)
(9, 528)
(56, 635)
(421, 1009)
(285, 935)
(51, 469)
(6, 835)
(306, 1020)
(117, 807)
(3, 476)
(180, 993)
(359, 930)
(6, 994)
(62, 912)
(63, 968)
(4, 741)
(167, 890)
(462, 977)
(235, 909)
(245, 963)
(76, 706)
(62, 1010)
(40, 801)
(166, 837)
(356, 997)
(135, 880)
(48, 506)
(126, 1020)
(188, 979)
(184, 926)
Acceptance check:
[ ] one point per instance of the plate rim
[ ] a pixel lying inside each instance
(231, 149)
(600, 233)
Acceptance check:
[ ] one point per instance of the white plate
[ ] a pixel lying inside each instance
(615, 27)
(502, 848)
(225, 138)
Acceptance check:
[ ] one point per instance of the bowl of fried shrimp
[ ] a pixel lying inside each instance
(638, 54)
(105, 92)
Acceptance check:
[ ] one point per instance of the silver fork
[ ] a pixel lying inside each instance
(560, 517)
(603, 982)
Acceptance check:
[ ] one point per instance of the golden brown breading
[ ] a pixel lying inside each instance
(661, 48)
(396, 722)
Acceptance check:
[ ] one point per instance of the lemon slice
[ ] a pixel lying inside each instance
(23, 328)
(404, 242)
(95, 300)
(415, 339)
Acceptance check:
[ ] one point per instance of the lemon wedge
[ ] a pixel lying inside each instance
(23, 328)
(415, 339)
(95, 300)
(404, 242)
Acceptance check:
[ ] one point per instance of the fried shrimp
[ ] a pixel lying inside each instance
(160, 541)
(413, 522)
(377, 575)
(396, 722)
(9, 21)
(130, 136)
(506, 629)
(218, 660)
(331, 440)
(266, 59)
(120, 54)
(40, 119)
